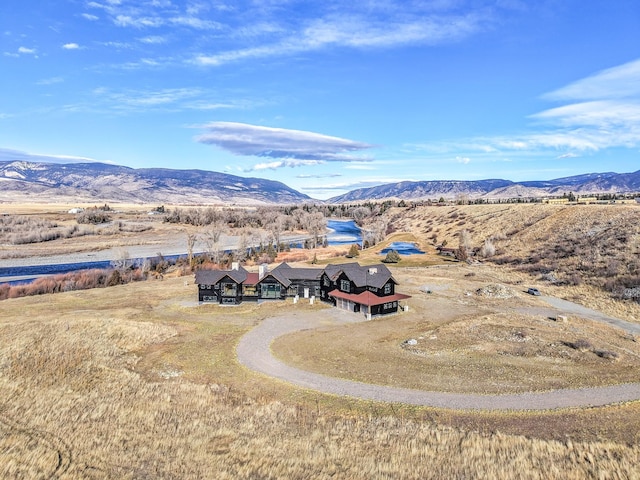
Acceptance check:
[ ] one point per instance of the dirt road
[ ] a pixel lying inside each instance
(254, 352)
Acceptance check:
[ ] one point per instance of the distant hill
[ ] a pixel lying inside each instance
(113, 183)
(590, 183)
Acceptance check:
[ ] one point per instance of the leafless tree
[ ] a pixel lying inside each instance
(211, 238)
(360, 214)
(315, 224)
(277, 225)
(191, 242)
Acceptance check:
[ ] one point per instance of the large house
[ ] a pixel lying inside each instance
(370, 290)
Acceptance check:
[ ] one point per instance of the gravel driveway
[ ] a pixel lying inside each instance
(254, 352)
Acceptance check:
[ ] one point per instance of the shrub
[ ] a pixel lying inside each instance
(392, 257)
(581, 344)
(607, 355)
(93, 216)
(488, 249)
(354, 251)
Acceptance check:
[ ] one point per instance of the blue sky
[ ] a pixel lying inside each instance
(321, 96)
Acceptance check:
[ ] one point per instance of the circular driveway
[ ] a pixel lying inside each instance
(254, 352)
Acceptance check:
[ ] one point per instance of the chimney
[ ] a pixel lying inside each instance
(373, 271)
(263, 269)
(235, 266)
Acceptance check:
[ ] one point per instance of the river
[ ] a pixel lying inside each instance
(341, 232)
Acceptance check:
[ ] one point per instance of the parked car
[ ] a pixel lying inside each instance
(533, 291)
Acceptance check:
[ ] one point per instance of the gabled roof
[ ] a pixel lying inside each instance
(211, 277)
(284, 281)
(362, 276)
(367, 298)
(372, 275)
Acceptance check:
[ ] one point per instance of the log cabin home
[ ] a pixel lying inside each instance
(370, 290)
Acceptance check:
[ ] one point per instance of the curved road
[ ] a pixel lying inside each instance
(254, 352)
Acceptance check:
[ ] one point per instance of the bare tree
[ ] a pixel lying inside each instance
(360, 214)
(464, 245)
(212, 239)
(244, 242)
(277, 225)
(123, 260)
(315, 224)
(191, 242)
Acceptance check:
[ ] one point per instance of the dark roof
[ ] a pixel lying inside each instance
(362, 276)
(367, 298)
(284, 281)
(333, 271)
(211, 277)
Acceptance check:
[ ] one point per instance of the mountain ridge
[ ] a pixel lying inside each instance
(589, 183)
(90, 182)
(117, 183)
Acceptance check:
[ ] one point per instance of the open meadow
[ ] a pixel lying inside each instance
(139, 381)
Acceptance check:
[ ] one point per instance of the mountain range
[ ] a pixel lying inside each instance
(98, 182)
(591, 183)
(93, 182)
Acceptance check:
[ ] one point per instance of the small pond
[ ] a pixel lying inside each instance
(403, 248)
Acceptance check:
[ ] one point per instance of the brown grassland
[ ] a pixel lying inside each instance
(138, 381)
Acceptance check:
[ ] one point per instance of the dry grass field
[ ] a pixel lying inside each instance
(131, 227)
(138, 381)
(499, 341)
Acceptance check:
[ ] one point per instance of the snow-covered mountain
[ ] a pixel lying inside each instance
(590, 183)
(96, 182)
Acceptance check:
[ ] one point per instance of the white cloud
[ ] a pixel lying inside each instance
(294, 147)
(463, 160)
(70, 46)
(88, 16)
(25, 50)
(358, 32)
(10, 155)
(154, 40)
(50, 81)
(622, 81)
(601, 111)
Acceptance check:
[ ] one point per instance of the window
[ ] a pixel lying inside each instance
(325, 281)
(387, 288)
(345, 286)
(249, 290)
(229, 289)
(270, 290)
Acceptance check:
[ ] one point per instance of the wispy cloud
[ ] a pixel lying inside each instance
(622, 81)
(326, 175)
(27, 51)
(601, 111)
(291, 148)
(71, 46)
(50, 81)
(9, 155)
(131, 101)
(357, 32)
(154, 40)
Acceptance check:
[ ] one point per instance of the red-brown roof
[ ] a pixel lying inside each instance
(367, 298)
